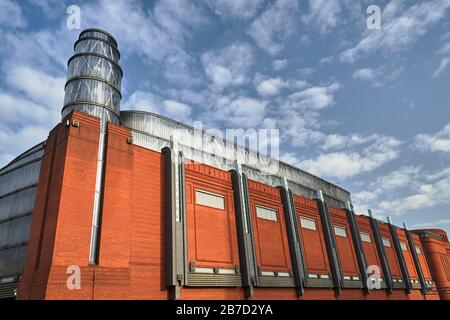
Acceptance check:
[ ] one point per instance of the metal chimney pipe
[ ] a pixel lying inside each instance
(94, 78)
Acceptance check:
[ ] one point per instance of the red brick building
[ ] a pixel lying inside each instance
(141, 213)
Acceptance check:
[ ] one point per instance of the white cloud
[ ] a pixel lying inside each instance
(324, 14)
(177, 110)
(157, 36)
(439, 142)
(314, 98)
(241, 9)
(326, 60)
(270, 87)
(400, 28)
(146, 101)
(279, 64)
(445, 62)
(378, 77)
(367, 74)
(228, 67)
(389, 184)
(38, 86)
(274, 25)
(438, 223)
(428, 195)
(350, 163)
(30, 108)
(11, 15)
(242, 112)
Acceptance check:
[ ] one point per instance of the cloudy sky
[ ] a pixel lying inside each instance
(367, 109)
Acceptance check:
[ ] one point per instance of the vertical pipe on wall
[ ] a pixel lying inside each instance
(381, 252)
(330, 242)
(417, 265)
(357, 243)
(295, 245)
(176, 272)
(98, 193)
(244, 230)
(400, 257)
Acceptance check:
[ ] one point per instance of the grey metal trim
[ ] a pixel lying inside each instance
(34, 185)
(214, 280)
(381, 253)
(353, 284)
(93, 78)
(182, 236)
(330, 242)
(319, 283)
(357, 244)
(170, 224)
(8, 290)
(245, 236)
(276, 282)
(176, 267)
(412, 248)
(115, 44)
(16, 217)
(98, 39)
(81, 54)
(400, 257)
(295, 245)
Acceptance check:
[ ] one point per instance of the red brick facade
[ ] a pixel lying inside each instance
(131, 250)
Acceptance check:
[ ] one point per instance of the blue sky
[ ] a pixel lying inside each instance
(366, 109)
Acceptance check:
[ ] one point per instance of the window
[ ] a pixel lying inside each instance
(340, 232)
(265, 213)
(404, 246)
(386, 243)
(210, 200)
(366, 237)
(308, 224)
(418, 251)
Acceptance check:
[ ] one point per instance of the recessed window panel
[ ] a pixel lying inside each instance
(386, 243)
(266, 213)
(404, 246)
(340, 232)
(308, 224)
(366, 237)
(210, 200)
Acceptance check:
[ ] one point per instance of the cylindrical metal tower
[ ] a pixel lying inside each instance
(94, 78)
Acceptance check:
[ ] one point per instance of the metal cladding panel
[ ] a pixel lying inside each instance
(11, 261)
(18, 179)
(22, 160)
(89, 45)
(215, 151)
(94, 66)
(92, 91)
(93, 110)
(17, 195)
(15, 231)
(17, 204)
